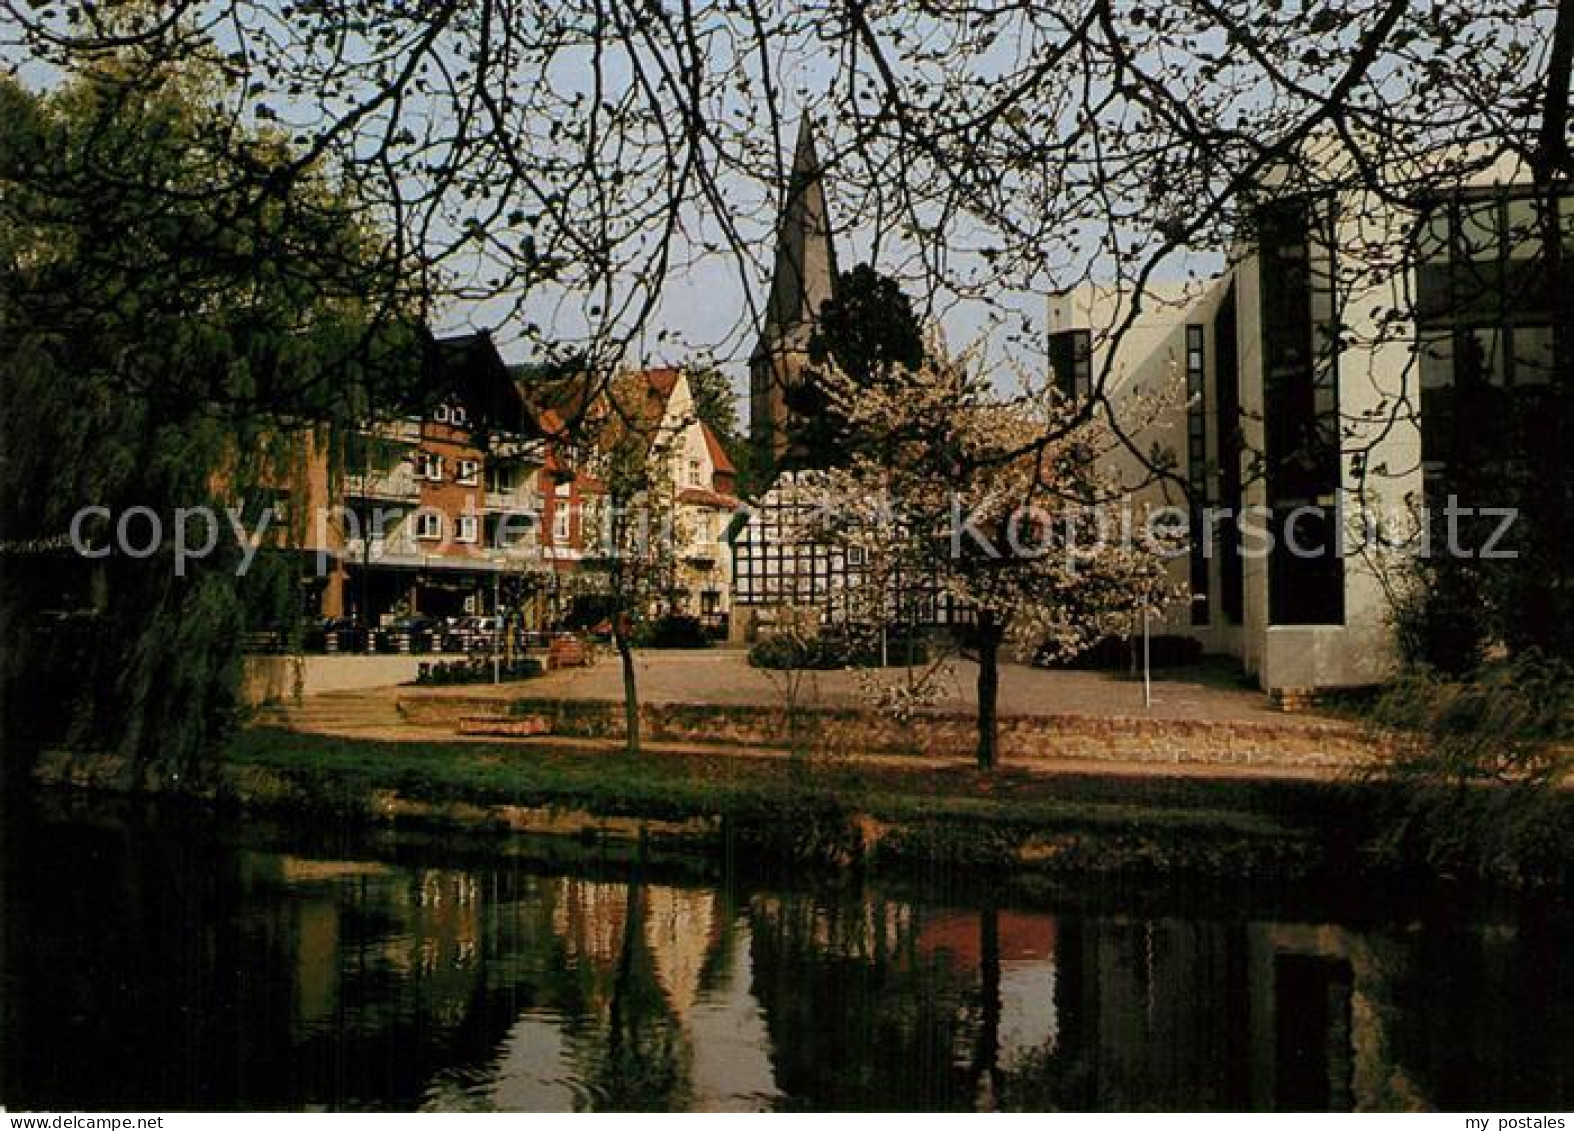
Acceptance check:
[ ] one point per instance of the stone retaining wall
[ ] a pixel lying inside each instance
(1303, 743)
(285, 679)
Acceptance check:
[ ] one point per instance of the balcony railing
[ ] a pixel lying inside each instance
(513, 500)
(397, 484)
(403, 431)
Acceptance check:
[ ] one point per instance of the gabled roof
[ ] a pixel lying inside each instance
(553, 390)
(469, 367)
(663, 380)
(718, 454)
(638, 400)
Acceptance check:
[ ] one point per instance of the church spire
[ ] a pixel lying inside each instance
(803, 277)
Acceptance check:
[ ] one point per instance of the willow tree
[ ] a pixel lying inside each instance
(183, 304)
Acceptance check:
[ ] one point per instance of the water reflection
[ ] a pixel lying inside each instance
(149, 962)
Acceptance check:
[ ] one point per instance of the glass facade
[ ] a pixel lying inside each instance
(1301, 411)
(1197, 470)
(1227, 418)
(1486, 340)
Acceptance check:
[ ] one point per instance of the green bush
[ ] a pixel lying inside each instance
(1440, 618)
(1479, 765)
(673, 631)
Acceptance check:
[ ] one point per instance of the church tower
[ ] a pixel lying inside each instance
(802, 279)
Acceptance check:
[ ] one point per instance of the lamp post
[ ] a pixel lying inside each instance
(497, 628)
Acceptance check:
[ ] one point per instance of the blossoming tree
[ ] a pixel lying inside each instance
(1011, 503)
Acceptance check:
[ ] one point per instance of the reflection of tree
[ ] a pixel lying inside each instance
(858, 1017)
(624, 1031)
(1152, 1016)
(645, 1061)
(1497, 1037)
(986, 1062)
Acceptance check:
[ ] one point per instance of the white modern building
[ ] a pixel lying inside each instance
(1319, 386)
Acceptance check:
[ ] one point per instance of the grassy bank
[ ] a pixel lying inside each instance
(820, 812)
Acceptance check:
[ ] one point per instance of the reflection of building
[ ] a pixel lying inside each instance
(681, 928)
(1306, 402)
(1170, 1014)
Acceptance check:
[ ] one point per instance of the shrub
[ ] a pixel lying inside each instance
(789, 653)
(1440, 617)
(672, 631)
(1479, 763)
(829, 652)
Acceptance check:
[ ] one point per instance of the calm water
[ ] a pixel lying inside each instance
(163, 961)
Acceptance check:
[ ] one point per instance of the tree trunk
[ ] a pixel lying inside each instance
(990, 633)
(630, 685)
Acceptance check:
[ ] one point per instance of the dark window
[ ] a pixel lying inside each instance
(1227, 427)
(1197, 470)
(1071, 361)
(1301, 414)
(1313, 1067)
(1486, 343)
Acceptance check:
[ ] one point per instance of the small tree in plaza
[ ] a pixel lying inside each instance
(630, 539)
(1012, 507)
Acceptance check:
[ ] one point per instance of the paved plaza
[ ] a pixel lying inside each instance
(723, 676)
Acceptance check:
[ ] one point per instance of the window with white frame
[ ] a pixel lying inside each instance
(501, 477)
(429, 465)
(441, 414)
(467, 528)
(458, 415)
(694, 473)
(469, 473)
(428, 526)
(560, 517)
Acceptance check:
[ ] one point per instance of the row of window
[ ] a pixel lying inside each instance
(429, 527)
(429, 466)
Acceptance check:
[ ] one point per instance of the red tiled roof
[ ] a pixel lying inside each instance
(663, 380)
(718, 454)
(551, 422)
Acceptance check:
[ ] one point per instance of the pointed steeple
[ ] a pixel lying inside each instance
(802, 278)
(805, 268)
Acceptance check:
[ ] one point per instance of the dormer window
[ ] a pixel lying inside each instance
(459, 415)
(441, 414)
